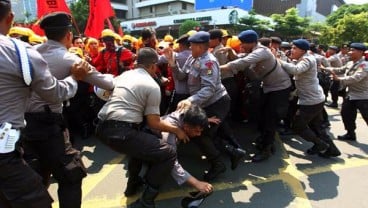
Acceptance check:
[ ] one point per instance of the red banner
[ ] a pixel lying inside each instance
(47, 6)
(99, 11)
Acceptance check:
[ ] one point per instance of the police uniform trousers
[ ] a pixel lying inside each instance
(308, 123)
(20, 186)
(349, 112)
(274, 107)
(140, 146)
(44, 149)
(232, 89)
(205, 142)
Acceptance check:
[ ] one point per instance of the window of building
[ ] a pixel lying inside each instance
(120, 14)
(119, 1)
(151, 9)
(184, 6)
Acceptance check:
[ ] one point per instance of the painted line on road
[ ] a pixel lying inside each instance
(91, 181)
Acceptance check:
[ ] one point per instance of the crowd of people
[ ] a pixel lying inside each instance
(144, 96)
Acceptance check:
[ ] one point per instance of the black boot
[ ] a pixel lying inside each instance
(147, 199)
(236, 155)
(217, 167)
(133, 185)
(263, 154)
(350, 136)
(332, 150)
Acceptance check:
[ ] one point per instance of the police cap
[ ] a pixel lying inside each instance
(335, 48)
(275, 40)
(301, 44)
(183, 39)
(56, 20)
(358, 46)
(248, 36)
(199, 37)
(216, 34)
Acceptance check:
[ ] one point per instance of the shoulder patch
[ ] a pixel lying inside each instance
(209, 65)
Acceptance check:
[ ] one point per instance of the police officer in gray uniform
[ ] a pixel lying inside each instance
(276, 88)
(136, 97)
(20, 186)
(308, 119)
(205, 88)
(356, 80)
(43, 136)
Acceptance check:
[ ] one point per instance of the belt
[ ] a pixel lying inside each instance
(119, 124)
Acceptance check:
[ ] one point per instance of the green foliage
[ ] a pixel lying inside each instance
(346, 9)
(253, 22)
(290, 24)
(80, 12)
(188, 25)
(351, 28)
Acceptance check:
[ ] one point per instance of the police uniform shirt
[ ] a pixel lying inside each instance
(14, 92)
(334, 60)
(181, 86)
(136, 94)
(204, 80)
(306, 82)
(263, 60)
(175, 118)
(344, 58)
(321, 60)
(356, 80)
(60, 62)
(222, 58)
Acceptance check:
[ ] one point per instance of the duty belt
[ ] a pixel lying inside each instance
(119, 124)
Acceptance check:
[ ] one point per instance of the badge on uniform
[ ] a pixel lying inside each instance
(197, 64)
(209, 65)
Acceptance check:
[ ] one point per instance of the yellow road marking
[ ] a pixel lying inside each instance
(91, 181)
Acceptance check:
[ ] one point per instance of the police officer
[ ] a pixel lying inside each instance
(43, 135)
(20, 186)
(356, 80)
(335, 61)
(308, 118)
(204, 81)
(276, 88)
(120, 123)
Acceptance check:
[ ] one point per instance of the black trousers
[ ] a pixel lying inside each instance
(349, 112)
(307, 123)
(274, 107)
(141, 147)
(233, 90)
(205, 142)
(44, 149)
(20, 186)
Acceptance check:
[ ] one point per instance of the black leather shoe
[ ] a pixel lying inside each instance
(194, 200)
(318, 148)
(236, 155)
(332, 105)
(347, 137)
(217, 167)
(133, 185)
(332, 151)
(263, 154)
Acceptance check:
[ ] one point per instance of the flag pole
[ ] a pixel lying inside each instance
(76, 26)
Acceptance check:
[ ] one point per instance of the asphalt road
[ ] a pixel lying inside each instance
(288, 179)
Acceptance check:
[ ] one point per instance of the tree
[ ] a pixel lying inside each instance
(80, 12)
(351, 28)
(188, 25)
(290, 24)
(344, 10)
(253, 22)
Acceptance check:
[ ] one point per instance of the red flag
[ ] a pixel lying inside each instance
(47, 6)
(99, 11)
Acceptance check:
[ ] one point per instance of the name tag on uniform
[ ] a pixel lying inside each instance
(8, 138)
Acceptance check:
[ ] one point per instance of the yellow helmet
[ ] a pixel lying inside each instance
(77, 51)
(191, 32)
(36, 39)
(225, 33)
(168, 38)
(20, 31)
(108, 33)
(127, 38)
